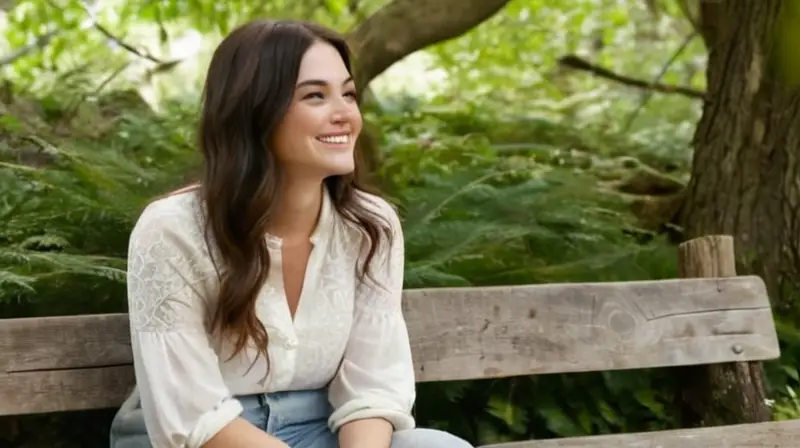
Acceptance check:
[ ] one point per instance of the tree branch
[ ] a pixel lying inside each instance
(128, 47)
(578, 63)
(90, 22)
(405, 26)
(649, 93)
(40, 42)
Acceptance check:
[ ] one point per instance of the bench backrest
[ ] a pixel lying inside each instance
(84, 362)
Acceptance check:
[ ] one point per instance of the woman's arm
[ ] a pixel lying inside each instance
(184, 398)
(366, 433)
(374, 389)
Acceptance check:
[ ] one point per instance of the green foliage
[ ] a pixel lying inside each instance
(490, 411)
(506, 173)
(65, 227)
(474, 215)
(520, 67)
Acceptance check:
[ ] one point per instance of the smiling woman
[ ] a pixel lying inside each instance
(319, 130)
(265, 300)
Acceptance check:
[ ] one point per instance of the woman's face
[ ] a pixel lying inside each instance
(317, 136)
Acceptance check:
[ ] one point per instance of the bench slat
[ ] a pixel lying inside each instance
(768, 434)
(64, 390)
(50, 343)
(468, 333)
(458, 333)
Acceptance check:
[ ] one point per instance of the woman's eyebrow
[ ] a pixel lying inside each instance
(319, 82)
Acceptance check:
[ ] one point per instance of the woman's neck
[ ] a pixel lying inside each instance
(297, 211)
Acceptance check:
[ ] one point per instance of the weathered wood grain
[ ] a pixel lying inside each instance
(456, 333)
(725, 393)
(782, 434)
(64, 390)
(64, 342)
(465, 333)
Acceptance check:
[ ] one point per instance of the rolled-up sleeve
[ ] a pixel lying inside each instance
(376, 376)
(184, 399)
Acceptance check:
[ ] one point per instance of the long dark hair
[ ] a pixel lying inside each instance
(249, 87)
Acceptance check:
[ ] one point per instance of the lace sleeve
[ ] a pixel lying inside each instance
(376, 376)
(184, 398)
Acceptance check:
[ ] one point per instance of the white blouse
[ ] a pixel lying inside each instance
(345, 335)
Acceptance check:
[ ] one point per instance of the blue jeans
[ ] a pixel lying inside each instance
(298, 418)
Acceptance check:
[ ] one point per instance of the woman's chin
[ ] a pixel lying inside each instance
(338, 165)
(340, 170)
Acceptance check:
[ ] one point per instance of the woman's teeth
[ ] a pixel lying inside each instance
(335, 139)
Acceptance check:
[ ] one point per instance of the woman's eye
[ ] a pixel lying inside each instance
(320, 95)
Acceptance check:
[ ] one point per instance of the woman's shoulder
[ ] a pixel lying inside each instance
(171, 215)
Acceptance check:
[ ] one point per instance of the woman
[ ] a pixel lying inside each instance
(265, 302)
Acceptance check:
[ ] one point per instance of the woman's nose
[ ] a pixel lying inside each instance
(339, 117)
(341, 112)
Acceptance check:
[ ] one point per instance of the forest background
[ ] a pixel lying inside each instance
(526, 142)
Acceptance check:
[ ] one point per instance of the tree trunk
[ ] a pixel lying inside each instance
(745, 179)
(405, 26)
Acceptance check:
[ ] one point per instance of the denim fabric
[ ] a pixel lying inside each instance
(299, 418)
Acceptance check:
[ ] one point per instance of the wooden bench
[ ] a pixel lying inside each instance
(84, 362)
